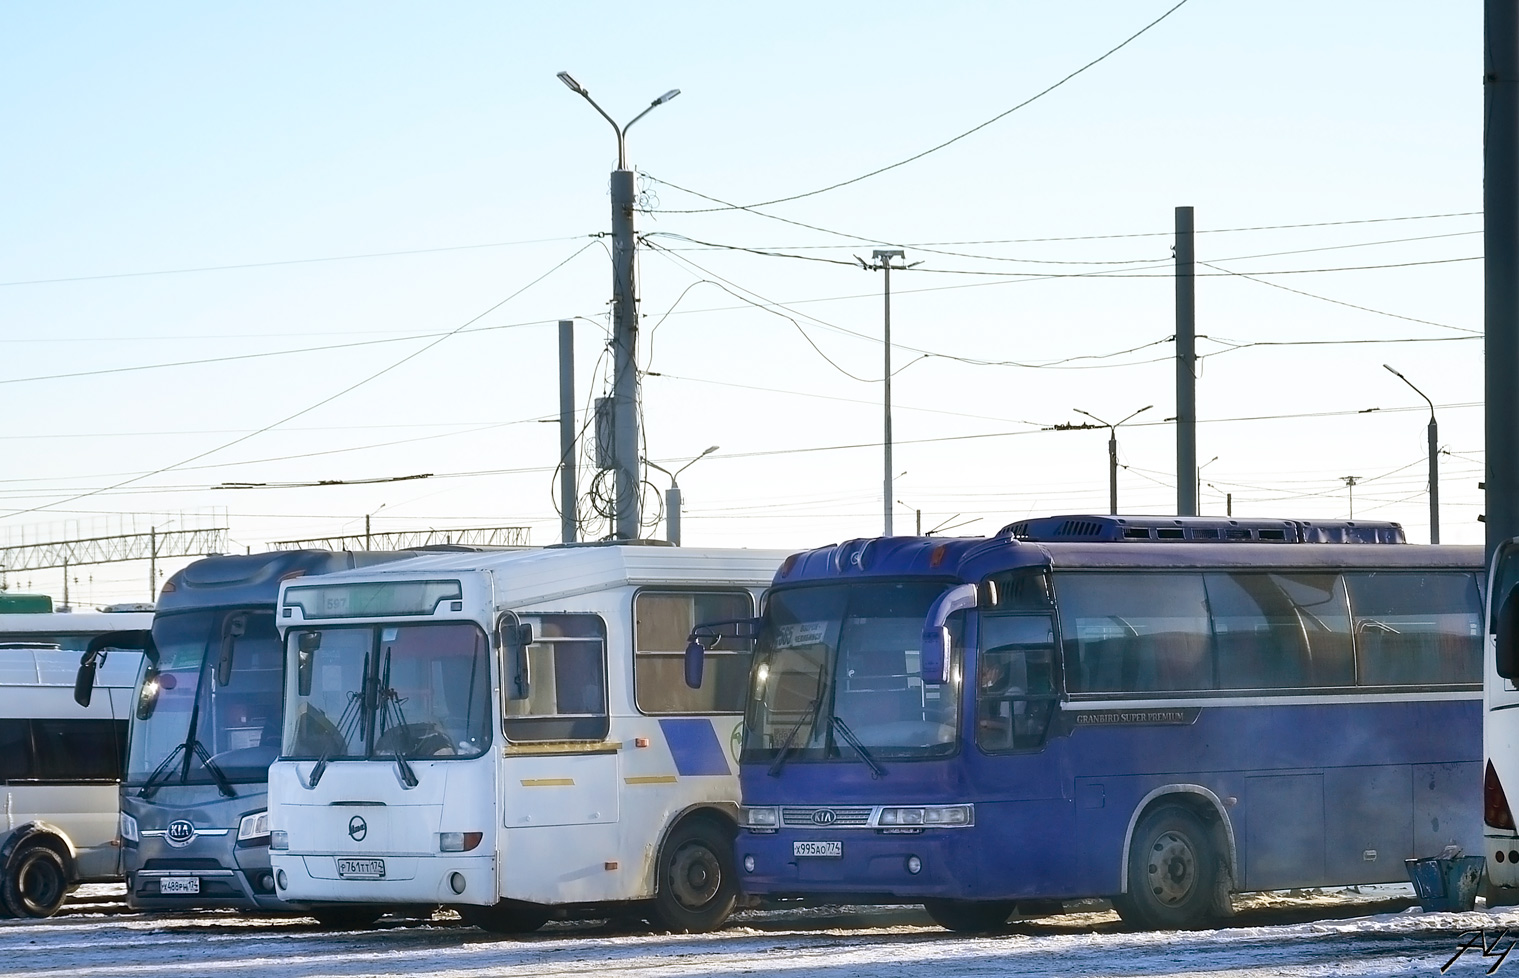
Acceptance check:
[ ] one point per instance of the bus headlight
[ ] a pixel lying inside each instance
(767, 817)
(929, 815)
(459, 842)
(129, 828)
(253, 830)
(279, 839)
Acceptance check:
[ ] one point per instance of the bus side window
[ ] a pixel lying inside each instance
(1015, 681)
(661, 622)
(1259, 636)
(568, 693)
(17, 761)
(1135, 632)
(78, 750)
(1416, 628)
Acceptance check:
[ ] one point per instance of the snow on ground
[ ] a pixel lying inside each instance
(1370, 931)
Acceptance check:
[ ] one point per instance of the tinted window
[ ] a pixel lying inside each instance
(662, 621)
(1015, 681)
(565, 679)
(15, 750)
(79, 750)
(1416, 629)
(1276, 631)
(1135, 632)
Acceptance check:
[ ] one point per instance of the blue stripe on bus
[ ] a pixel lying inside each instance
(693, 744)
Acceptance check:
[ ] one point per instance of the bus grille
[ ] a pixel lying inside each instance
(843, 817)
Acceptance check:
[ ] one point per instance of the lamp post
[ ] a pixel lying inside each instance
(1198, 509)
(624, 322)
(1113, 452)
(672, 495)
(1434, 459)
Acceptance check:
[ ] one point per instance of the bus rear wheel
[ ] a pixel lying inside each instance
(35, 883)
(506, 917)
(696, 889)
(970, 916)
(1173, 871)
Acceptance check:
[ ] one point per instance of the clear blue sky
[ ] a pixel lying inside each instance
(156, 138)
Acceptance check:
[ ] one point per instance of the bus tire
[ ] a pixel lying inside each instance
(970, 916)
(35, 882)
(696, 886)
(346, 918)
(1173, 872)
(506, 917)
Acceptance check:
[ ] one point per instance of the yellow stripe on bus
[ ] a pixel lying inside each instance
(547, 782)
(652, 779)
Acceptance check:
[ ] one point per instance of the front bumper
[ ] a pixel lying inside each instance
(409, 880)
(875, 866)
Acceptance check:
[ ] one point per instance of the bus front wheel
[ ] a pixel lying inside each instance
(1173, 871)
(35, 883)
(970, 916)
(696, 889)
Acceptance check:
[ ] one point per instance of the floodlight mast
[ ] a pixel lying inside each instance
(627, 519)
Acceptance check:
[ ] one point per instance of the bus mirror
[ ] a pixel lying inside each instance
(516, 637)
(1505, 640)
(696, 659)
(147, 697)
(84, 680)
(306, 645)
(933, 657)
(234, 629)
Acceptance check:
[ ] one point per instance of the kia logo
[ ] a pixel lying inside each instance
(357, 829)
(824, 816)
(181, 832)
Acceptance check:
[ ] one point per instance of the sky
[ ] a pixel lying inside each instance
(296, 243)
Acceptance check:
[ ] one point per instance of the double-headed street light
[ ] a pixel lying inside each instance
(625, 439)
(1113, 452)
(1434, 459)
(672, 495)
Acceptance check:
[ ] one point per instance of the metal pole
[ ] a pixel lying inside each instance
(1113, 471)
(884, 258)
(1500, 206)
(672, 513)
(366, 532)
(569, 491)
(152, 563)
(624, 357)
(1434, 480)
(1186, 367)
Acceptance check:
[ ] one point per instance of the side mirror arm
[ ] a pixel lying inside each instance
(933, 657)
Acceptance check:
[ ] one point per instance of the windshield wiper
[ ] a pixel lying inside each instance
(408, 776)
(190, 746)
(809, 715)
(876, 770)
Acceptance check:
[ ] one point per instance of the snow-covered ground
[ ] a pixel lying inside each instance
(1371, 931)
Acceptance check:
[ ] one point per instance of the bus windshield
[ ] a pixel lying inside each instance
(208, 711)
(410, 691)
(837, 670)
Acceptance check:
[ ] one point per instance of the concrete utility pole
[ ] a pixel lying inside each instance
(1113, 452)
(1434, 460)
(883, 264)
(1186, 368)
(1350, 484)
(1500, 205)
(628, 519)
(569, 492)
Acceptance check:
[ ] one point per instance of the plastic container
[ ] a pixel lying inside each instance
(1446, 885)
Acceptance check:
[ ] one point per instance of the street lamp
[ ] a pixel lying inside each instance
(672, 495)
(1434, 459)
(625, 437)
(1200, 468)
(1113, 452)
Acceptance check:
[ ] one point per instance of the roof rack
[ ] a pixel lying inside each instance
(1199, 529)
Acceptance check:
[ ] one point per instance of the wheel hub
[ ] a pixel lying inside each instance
(1172, 868)
(696, 876)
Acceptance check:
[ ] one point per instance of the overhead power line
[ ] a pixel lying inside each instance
(480, 536)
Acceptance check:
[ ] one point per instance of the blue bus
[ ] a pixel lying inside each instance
(204, 728)
(1160, 711)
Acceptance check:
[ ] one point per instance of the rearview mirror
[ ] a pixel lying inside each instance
(132, 640)
(233, 630)
(1505, 639)
(696, 660)
(933, 655)
(306, 644)
(84, 680)
(147, 696)
(516, 636)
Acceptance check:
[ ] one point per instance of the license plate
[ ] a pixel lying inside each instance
(833, 850)
(361, 869)
(179, 884)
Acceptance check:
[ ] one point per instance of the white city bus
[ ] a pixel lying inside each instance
(512, 734)
(59, 763)
(1500, 728)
